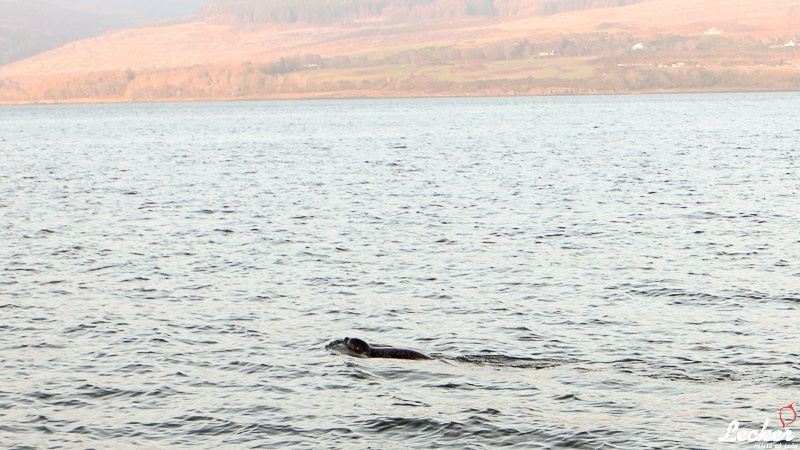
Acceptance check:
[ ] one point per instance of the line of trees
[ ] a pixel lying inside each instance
(249, 81)
(245, 12)
(550, 7)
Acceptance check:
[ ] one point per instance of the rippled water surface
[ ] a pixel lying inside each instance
(588, 272)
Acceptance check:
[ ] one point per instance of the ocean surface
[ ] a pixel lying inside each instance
(588, 272)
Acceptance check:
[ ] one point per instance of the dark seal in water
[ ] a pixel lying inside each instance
(362, 349)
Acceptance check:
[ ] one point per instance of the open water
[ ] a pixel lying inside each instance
(589, 272)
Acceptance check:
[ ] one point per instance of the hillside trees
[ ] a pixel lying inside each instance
(549, 7)
(343, 11)
(288, 11)
(256, 12)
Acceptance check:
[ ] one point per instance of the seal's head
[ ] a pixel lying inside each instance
(356, 345)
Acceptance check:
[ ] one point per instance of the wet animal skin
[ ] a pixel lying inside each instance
(364, 350)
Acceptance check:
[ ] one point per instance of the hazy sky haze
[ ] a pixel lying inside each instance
(28, 27)
(162, 9)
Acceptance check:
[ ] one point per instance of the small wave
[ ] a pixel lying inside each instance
(106, 267)
(513, 361)
(11, 306)
(137, 369)
(679, 371)
(247, 367)
(92, 391)
(681, 296)
(335, 345)
(39, 345)
(474, 431)
(788, 382)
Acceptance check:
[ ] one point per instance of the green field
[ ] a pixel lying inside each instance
(574, 68)
(537, 68)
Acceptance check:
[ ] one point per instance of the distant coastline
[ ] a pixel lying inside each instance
(386, 94)
(356, 95)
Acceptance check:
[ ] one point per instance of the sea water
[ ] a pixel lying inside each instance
(588, 272)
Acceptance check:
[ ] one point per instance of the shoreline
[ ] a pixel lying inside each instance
(376, 95)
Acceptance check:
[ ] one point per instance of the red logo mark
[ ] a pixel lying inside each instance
(790, 407)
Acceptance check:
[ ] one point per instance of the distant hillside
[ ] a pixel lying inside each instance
(260, 12)
(245, 49)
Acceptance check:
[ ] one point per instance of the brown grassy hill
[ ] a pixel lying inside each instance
(754, 17)
(574, 51)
